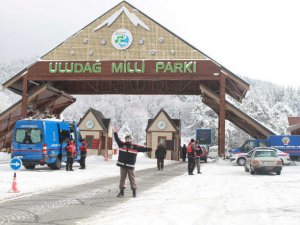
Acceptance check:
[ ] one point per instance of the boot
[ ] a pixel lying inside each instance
(134, 193)
(121, 194)
(199, 172)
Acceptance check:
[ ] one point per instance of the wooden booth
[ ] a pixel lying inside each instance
(163, 129)
(97, 131)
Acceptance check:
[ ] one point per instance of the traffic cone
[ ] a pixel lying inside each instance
(14, 188)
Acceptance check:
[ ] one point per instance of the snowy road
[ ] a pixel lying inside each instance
(72, 204)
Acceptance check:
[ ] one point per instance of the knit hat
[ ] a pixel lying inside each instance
(128, 136)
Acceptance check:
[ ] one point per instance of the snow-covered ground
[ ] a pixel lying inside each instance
(44, 179)
(223, 194)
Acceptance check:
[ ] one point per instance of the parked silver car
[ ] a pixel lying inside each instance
(263, 160)
(240, 158)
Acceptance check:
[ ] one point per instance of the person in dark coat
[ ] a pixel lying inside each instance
(191, 157)
(126, 161)
(83, 153)
(198, 153)
(160, 155)
(183, 152)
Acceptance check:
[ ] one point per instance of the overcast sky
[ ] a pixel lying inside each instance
(259, 39)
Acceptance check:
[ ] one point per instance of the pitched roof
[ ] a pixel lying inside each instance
(293, 120)
(175, 122)
(294, 125)
(78, 48)
(104, 122)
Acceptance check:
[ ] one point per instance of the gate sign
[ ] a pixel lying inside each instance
(204, 136)
(15, 163)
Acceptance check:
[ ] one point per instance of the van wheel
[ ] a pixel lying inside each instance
(29, 167)
(278, 172)
(241, 161)
(56, 165)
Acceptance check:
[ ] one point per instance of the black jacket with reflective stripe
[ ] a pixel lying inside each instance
(128, 153)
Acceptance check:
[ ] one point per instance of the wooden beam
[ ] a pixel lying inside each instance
(222, 116)
(24, 97)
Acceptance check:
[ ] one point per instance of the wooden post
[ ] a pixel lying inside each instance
(24, 97)
(222, 116)
(7, 131)
(219, 138)
(99, 145)
(105, 145)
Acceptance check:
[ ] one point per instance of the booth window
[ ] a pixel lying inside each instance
(161, 140)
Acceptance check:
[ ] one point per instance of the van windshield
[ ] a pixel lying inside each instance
(28, 136)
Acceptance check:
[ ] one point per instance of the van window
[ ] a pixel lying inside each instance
(64, 135)
(262, 144)
(28, 136)
(80, 137)
(248, 146)
(72, 136)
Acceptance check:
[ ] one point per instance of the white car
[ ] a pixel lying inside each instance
(240, 158)
(213, 152)
(263, 159)
(285, 157)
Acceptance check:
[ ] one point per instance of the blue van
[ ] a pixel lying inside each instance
(43, 141)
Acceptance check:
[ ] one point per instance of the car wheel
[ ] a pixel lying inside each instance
(246, 169)
(251, 171)
(278, 172)
(241, 161)
(29, 167)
